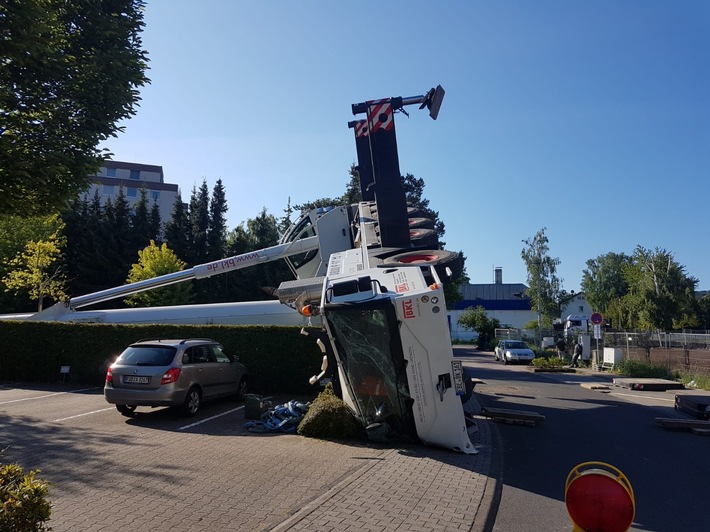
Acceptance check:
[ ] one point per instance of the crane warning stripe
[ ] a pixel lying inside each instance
(380, 115)
(361, 129)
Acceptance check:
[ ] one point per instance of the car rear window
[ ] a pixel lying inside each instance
(148, 355)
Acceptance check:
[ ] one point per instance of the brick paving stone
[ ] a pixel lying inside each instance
(143, 474)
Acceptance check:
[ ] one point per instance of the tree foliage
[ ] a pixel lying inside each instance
(70, 73)
(217, 223)
(103, 240)
(246, 284)
(37, 269)
(15, 233)
(648, 290)
(603, 280)
(199, 217)
(177, 230)
(476, 319)
(544, 287)
(666, 293)
(154, 261)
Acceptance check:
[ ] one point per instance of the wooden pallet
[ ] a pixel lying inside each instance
(518, 417)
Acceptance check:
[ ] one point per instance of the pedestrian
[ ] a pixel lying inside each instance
(561, 348)
(578, 350)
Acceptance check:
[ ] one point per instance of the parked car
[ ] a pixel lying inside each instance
(513, 351)
(179, 373)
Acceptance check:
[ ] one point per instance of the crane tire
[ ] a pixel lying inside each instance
(427, 223)
(422, 237)
(439, 258)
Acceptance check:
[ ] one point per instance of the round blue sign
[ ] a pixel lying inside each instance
(596, 318)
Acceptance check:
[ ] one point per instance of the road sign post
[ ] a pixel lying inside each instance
(597, 320)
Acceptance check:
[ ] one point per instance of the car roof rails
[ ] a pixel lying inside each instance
(197, 339)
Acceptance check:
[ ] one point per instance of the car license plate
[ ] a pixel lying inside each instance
(457, 370)
(134, 379)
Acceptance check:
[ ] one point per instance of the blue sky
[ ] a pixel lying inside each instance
(591, 119)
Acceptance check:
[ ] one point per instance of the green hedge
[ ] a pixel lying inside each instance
(279, 359)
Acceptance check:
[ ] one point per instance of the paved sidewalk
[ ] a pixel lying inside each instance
(415, 489)
(151, 472)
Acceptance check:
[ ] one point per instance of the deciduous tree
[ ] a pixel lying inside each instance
(476, 319)
(544, 287)
(154, 261)
(603, 280)
(70, 73)
(666, 293)
(37, 269)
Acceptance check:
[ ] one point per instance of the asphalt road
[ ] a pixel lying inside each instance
(668, 470)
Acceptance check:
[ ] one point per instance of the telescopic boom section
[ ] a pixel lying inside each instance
(431, 100)
(200, 271)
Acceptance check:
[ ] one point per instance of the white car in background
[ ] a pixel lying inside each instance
(511, 351)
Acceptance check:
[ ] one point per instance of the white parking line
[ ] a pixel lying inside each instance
(81, 415)
(44, 396)
(210, 418)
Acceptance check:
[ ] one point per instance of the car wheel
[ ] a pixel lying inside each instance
(126, 410)
(242, 389)
(505, 360)
(192, 402)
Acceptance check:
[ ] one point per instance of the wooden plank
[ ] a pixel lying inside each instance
(675, 423)
(594, 386)
(513, 415)
(648, 384)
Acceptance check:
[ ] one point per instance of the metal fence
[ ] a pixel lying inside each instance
(685, 339)
(686, 351)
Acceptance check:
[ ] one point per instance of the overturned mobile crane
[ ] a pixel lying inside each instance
(371, 275)
(387, 345)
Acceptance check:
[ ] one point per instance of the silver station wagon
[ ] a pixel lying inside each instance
(178, 373)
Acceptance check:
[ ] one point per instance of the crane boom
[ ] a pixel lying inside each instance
(200, 271)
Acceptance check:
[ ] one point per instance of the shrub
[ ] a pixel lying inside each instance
(548, 363)
(330, 418)
(23, 503)
(635, 368)
(694, 380)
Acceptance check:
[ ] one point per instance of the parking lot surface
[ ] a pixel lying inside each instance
(160, 471)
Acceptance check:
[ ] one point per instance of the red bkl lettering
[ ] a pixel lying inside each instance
(408, 308)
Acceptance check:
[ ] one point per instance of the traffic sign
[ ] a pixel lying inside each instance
(596, 318)
(597, 333)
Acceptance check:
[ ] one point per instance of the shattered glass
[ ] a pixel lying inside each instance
(370, 352)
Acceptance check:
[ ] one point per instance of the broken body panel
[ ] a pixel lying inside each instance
(390, 337)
